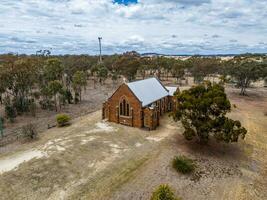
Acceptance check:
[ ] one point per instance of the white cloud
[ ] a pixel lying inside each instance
(174, 26)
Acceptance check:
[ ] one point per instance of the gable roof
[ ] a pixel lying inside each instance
(148, 90)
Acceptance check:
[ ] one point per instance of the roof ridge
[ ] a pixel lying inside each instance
(142, 80)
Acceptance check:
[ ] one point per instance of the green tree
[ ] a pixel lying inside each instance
(202, 67)
(102, 73)
(114, 77)
(55, 88)
(127, 65)
(18, 80)
(245, 71)
(162, 63)
(202, 111)
(53, 70)
(178, 70)
(79, 81)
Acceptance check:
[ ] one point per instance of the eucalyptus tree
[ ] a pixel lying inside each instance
(178, 70)
(18, 80)
(245, 71)
(55, 88)
(127, 65)
(202, 111)
(53, 70)
(200, 67)
(102, 73)
(79, 80)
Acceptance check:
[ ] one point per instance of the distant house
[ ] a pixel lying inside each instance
(139, 104)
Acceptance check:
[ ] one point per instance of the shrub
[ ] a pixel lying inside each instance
(183, 164)
(46, 104)
(163, 192)
(63, 120)
(29, 132)
(32, 108)
(10, 112)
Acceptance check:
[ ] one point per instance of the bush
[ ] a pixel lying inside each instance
(63, 120)
(183, 164)
(163, 192)
(47, 104)
(29, 132)
(32, 108)
(11, 113)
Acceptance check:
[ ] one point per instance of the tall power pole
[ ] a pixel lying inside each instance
(100, 50)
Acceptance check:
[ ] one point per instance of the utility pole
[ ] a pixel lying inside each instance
(100, 50)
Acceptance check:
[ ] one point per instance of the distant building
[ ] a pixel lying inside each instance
(139, 104)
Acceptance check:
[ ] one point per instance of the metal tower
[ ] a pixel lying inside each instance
(100, 49)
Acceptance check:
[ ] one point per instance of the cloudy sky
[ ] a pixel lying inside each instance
(160, 26)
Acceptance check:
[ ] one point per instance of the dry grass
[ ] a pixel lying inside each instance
(86, 162)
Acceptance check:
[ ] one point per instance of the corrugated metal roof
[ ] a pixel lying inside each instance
(172, 90)
(148, 90)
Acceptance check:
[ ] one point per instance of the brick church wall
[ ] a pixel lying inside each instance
(113, 104)
(139, 117)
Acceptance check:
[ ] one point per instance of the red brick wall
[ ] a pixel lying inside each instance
(152, 118)
(113, 103)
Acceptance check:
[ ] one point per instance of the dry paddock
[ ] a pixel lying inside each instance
(93, 159)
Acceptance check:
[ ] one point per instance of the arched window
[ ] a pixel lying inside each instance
(124, 108)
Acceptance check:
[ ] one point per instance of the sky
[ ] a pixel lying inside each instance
(155, 26)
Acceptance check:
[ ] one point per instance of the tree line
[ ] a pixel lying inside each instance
(53, 81)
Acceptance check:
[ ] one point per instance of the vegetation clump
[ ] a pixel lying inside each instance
(10, 112)
(29, 132)
(244, 71)
(63, 120)
(202, 111)
(163, 192)
(54, 81)
(183, 164)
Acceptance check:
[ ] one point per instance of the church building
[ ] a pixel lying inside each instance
(139, 103)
